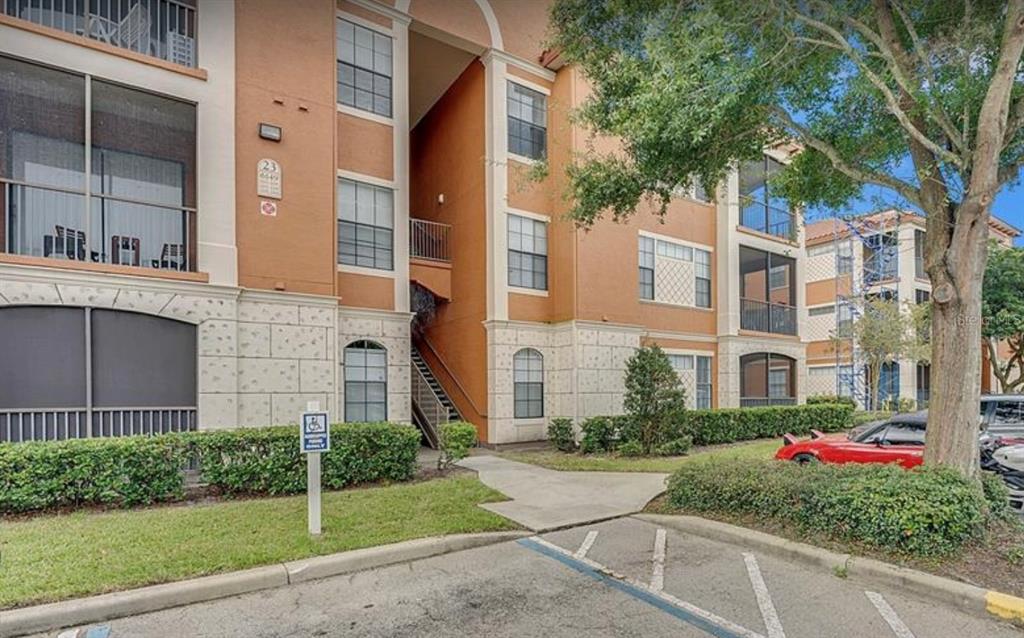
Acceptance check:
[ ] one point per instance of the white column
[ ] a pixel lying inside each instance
(400, 106)
(496, 169)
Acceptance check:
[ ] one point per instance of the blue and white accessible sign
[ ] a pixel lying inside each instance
(316, 433)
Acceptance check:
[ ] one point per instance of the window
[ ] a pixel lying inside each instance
(670, 264)
(922, 296)
(821, 311)
(702, 278)
(767, 292)
(821, 249)
(767, 379)
(365, 225)
(881, 258)
(137, 206)
(528, 384)
(888, 382)
(527, 253)
(681, 362)
(646, 268)
(703, 383)
(364, 68)
(919, 270)
(527, 122)
(844, 321)
(844, 258)
(904, 433)
(924, 385)
(366, 382)
(845, 380)
(760, 208)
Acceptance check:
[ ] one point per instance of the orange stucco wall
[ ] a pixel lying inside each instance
(294, 250)
(365, 146)
(366, 291)
(447, 157)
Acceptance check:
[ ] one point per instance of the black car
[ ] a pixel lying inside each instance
(1002, 415)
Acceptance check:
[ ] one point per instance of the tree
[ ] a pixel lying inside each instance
(1002, 306)
(654, 396)
(885, 333)
(917, 97)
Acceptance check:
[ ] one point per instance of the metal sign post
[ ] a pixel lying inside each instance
(316, 438)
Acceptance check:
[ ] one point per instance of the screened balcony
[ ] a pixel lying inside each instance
(767, 292)
(761, 209)
(767, 379)
(164, 29)
(124, 194)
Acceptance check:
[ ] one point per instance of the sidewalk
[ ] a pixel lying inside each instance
(544, 499)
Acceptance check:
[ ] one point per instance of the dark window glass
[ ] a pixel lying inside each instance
(1006, 413)
(366, 382)
(646, 259)
(528, 384)
(527, 122)
(527, 253)
(364, 68)
(767, 379)
(365, 225)
(904, 434)
(760, 208)
(704, 385)
(42, 364)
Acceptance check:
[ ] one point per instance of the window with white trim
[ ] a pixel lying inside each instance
(695, 374)
(674, 273)
(366, 220)
(527, 253)
(364, 68)
(528, 384)
(821, 310)
(704, 385)
(366, 382)
(527, 122)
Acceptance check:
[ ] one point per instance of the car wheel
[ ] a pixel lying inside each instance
(805, 459)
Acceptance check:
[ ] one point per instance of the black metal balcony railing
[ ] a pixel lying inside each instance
(51, 223)
(769, 220)
(762, 316)
(762, 402)
(430, 240)
(164, 29)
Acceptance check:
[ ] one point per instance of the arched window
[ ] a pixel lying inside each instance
(767, 379)
(366, 382)
(528, 383)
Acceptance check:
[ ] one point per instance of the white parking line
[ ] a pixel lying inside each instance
(588, 542)
(764, 599)
(713, 624)
(658, 568)
(889, 615)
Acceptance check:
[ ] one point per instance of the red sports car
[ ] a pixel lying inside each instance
(898, 440)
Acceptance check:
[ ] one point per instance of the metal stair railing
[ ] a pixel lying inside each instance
(434, 411)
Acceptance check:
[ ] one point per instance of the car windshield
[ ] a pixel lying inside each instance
(893, 433)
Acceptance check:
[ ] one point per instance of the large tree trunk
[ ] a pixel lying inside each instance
(957, 270)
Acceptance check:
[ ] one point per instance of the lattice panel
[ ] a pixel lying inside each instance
(673, 281)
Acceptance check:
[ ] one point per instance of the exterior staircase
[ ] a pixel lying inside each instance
(431, 405)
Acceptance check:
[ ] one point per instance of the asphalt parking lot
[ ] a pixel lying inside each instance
(624, 577)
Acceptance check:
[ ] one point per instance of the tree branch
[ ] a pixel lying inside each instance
(840, 164)
(890, 99)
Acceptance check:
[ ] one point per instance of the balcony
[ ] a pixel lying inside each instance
(164, 29)
(51, 223)
(763, 316)
(769, 220)
(430, 256)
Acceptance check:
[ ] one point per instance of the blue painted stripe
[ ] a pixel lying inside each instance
(630, 590)
(101, 631)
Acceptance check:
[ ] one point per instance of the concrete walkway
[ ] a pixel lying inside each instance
(544, 499)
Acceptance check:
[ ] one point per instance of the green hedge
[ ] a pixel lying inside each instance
(142, 470)
(268, 460)
(728, 425)
(921, 512)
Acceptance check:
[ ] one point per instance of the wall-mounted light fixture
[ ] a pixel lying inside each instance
(270, 132)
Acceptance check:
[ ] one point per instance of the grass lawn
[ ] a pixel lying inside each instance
(555, 460)
(51, 558)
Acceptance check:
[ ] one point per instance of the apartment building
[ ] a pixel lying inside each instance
(848, 260)
(216, 211)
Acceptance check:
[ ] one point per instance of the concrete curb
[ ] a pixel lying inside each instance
(967, 597)
(27, 620)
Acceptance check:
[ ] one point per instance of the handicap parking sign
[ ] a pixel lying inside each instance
(316, 433)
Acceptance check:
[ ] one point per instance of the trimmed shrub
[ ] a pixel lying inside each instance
(997, 495)
(921, 512)
(133, 471)
(818, 399)
(860, 418)
(562, 435)
(675, 447)
(457, 438)
(599, 435)
(268, 460)
(728, 425)
(123, 472)
(631, 448)
(654, 398)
